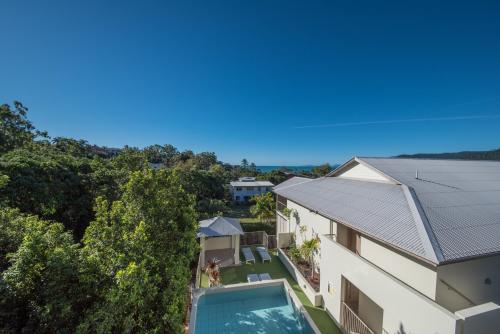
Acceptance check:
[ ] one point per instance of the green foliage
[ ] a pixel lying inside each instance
(308, 249)
(264, 207)
(468, 155)
(42, 280)
(269, 228)
(15, 128)
(295, 253)
(139, 250)
(322, 170)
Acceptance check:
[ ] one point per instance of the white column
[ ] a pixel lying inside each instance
(237, 249)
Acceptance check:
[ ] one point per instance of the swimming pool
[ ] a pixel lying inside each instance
(264, 307)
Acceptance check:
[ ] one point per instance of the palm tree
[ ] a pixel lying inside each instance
(308, 249)
(264, 207)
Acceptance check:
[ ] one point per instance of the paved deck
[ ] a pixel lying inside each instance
(224, 256)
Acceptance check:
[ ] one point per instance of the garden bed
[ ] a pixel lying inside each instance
(305, 269)
(311, 293)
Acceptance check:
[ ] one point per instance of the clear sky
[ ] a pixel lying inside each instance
(276, 82)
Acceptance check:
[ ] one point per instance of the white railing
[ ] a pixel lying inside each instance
(351, 323)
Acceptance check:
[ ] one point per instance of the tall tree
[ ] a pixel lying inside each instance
(139, 250)
(15, 128)
(264, 207)
(41, 291)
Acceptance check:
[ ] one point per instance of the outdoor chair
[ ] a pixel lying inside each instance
(264, 254)
(252, 278)
(247, 253)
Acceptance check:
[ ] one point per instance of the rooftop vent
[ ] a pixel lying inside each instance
(247, 179)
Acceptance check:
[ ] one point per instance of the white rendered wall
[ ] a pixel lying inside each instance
(416, 275)
(315, 224)
(401, 304)
(469, 278)
(245, 191)
(362, 172)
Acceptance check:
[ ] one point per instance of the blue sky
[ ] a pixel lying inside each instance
(276, 82)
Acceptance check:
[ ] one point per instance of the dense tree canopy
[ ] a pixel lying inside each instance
(94, 239)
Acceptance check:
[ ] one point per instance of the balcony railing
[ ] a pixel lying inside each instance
(352, 323)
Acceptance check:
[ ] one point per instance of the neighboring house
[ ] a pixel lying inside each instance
(220, 240)
(246, 187)
(407, 245)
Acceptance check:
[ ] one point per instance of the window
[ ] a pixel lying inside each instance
(237, 198)
(249, 188)
(238, 188)
(280, 203)
(258, 188)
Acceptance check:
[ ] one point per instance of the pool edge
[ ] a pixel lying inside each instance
(197, 293)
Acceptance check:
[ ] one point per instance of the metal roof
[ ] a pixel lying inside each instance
(219, 227)
(451, 212)
(251, 184)
(460, 200)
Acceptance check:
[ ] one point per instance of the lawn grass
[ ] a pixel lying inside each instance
(249, 223)
(238, 274)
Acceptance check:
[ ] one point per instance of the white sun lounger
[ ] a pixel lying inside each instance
(247, 253)
(265, 277)
(252, 278)
(264, 255)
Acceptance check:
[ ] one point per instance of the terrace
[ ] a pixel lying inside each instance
(238, 274)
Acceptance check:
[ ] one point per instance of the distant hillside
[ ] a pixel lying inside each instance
(468, 155)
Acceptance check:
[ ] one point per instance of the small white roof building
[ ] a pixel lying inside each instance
(220, 240)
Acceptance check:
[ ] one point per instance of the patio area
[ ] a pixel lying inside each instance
(238, 274)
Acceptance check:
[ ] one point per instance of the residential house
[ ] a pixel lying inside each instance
(246, 187)
(407, 245)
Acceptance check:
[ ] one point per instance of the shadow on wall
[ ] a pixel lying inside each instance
(401, 329)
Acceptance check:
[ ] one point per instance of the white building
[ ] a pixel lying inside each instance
(246, 187)
(407, 245)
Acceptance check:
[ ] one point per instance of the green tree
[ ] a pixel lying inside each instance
(321, 170)
(138, 253)
(264, 207)
(308, 249)
(42, 280)
(15, 128)
(244, 164)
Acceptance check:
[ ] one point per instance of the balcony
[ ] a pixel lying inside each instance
(351, 322)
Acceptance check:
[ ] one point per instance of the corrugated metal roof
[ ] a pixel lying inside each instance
(219, 226)
(460, 199)
(380, 210)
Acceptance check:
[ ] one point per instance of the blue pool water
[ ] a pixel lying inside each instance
(257, 310)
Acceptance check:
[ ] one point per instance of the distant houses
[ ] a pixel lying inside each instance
(246, 187)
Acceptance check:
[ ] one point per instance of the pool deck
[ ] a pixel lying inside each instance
(238, 274)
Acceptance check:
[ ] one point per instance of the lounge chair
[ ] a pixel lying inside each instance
(247, 253)
(265, 277)
(252, 278)
(264, 254)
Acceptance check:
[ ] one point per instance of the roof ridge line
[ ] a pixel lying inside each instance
(428, 238)
(296, 184)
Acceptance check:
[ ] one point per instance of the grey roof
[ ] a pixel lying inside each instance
(460, 200)
(378, 209)
(450, 213)
(251, 184)
(219, 226)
